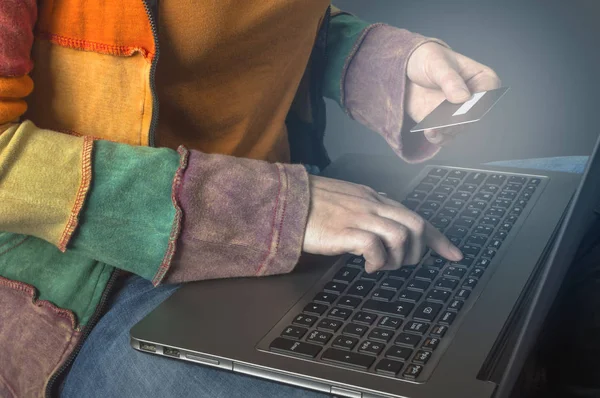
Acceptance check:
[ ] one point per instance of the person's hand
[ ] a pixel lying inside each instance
(351, 218)
(436, 73)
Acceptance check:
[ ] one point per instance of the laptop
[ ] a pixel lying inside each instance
(438, 329)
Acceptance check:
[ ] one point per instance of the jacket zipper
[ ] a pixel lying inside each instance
(86, 331)
(154, 120)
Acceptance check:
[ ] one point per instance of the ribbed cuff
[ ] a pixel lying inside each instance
(374, 87)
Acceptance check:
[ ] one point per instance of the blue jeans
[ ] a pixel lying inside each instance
(108, 367)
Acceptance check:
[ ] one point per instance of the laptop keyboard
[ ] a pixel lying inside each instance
(391, 323)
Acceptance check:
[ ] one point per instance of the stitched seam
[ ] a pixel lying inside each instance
(349, 59)
(61, 358)
(76, 134)
(270, 248)
(93, 293)
(11, 389)
(176, 228)
(15, 246)
(9, 241)
(87, 45)
(84, 187)
(32, 293)
(285, 202)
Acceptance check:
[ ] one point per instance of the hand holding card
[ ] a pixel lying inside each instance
(448, 114)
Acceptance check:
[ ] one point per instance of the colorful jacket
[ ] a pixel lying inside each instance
(83, 199)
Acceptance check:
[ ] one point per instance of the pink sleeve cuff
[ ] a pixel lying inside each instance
(374, 85)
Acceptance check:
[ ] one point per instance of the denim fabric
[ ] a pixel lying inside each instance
(108, 367)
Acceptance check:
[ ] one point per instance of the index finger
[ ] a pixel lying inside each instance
(440, 244)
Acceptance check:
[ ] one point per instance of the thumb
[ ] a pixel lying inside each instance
(450, 82)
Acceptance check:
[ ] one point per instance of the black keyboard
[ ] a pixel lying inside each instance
(398, 323)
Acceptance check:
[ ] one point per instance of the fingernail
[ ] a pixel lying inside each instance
(456, 253)
(431, 134)
(464, 92)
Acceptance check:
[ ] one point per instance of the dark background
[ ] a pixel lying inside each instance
(547, 51)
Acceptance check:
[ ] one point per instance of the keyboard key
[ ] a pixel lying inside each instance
(470, 283)
(422, 357)
(464, 222)
(330, 325)
(507, 195)
(318, 337)
(374, 276)
(457, 174)
(392, 284)
(447, 284)
(470, 250)
(401, 353)
(505, 227)
(426, 188)
(444, 190)
(411, 204)
(294, 347)
(430, 343)
(425, 213)
(477, 205)
(427, 311)
(462, 196)
(416, 327)
(380, 335)
(418, 196)
(365, 318)
(361, 288)
(349, 302)
(412, 371)
(397, 308)
(410, 295)
(429, 205)
(517, 180)
(345, 358)
(383, 294)
(371, 347)
(459, 232)
(463, 294)
(418, 285)
(448, 213)
(431, 180)
(471, 213)
(439, 330)
(468, 188)
(477, 240)
(314, 308)
(402, 272)
(357, 261)
(495, 244)
(489, 220)
(489, 189)
(438, 295)
(440, 222)
(335, 287)
(483, 197)
(454, 204)
(535, 181)
(483, 262)
(304, 320)
(495, 212)
(484, 230)
(516, 211)
(447, 318)
(466, 262)
(346, 275)
(526, 196)
(437, 197)
(390, 322)
(475, 178)
(513, 187)
(521, 203)
(427, 274)
(476, 272)
(294, 332)
(500, 235)
(340, 313)
(488, 253)
(389, 367)
(327, 298)
(353, 329)
(455, 272)
(455, 305)
(530, 189)
(438, 172)
(496, 179)
(345, 342)
(407, 339)
(502, 203)
(450, 182)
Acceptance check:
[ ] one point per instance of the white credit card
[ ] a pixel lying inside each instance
(448, 114)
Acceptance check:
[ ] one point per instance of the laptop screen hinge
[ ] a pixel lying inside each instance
(338, 391)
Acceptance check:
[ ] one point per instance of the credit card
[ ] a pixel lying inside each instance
(448, 114)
